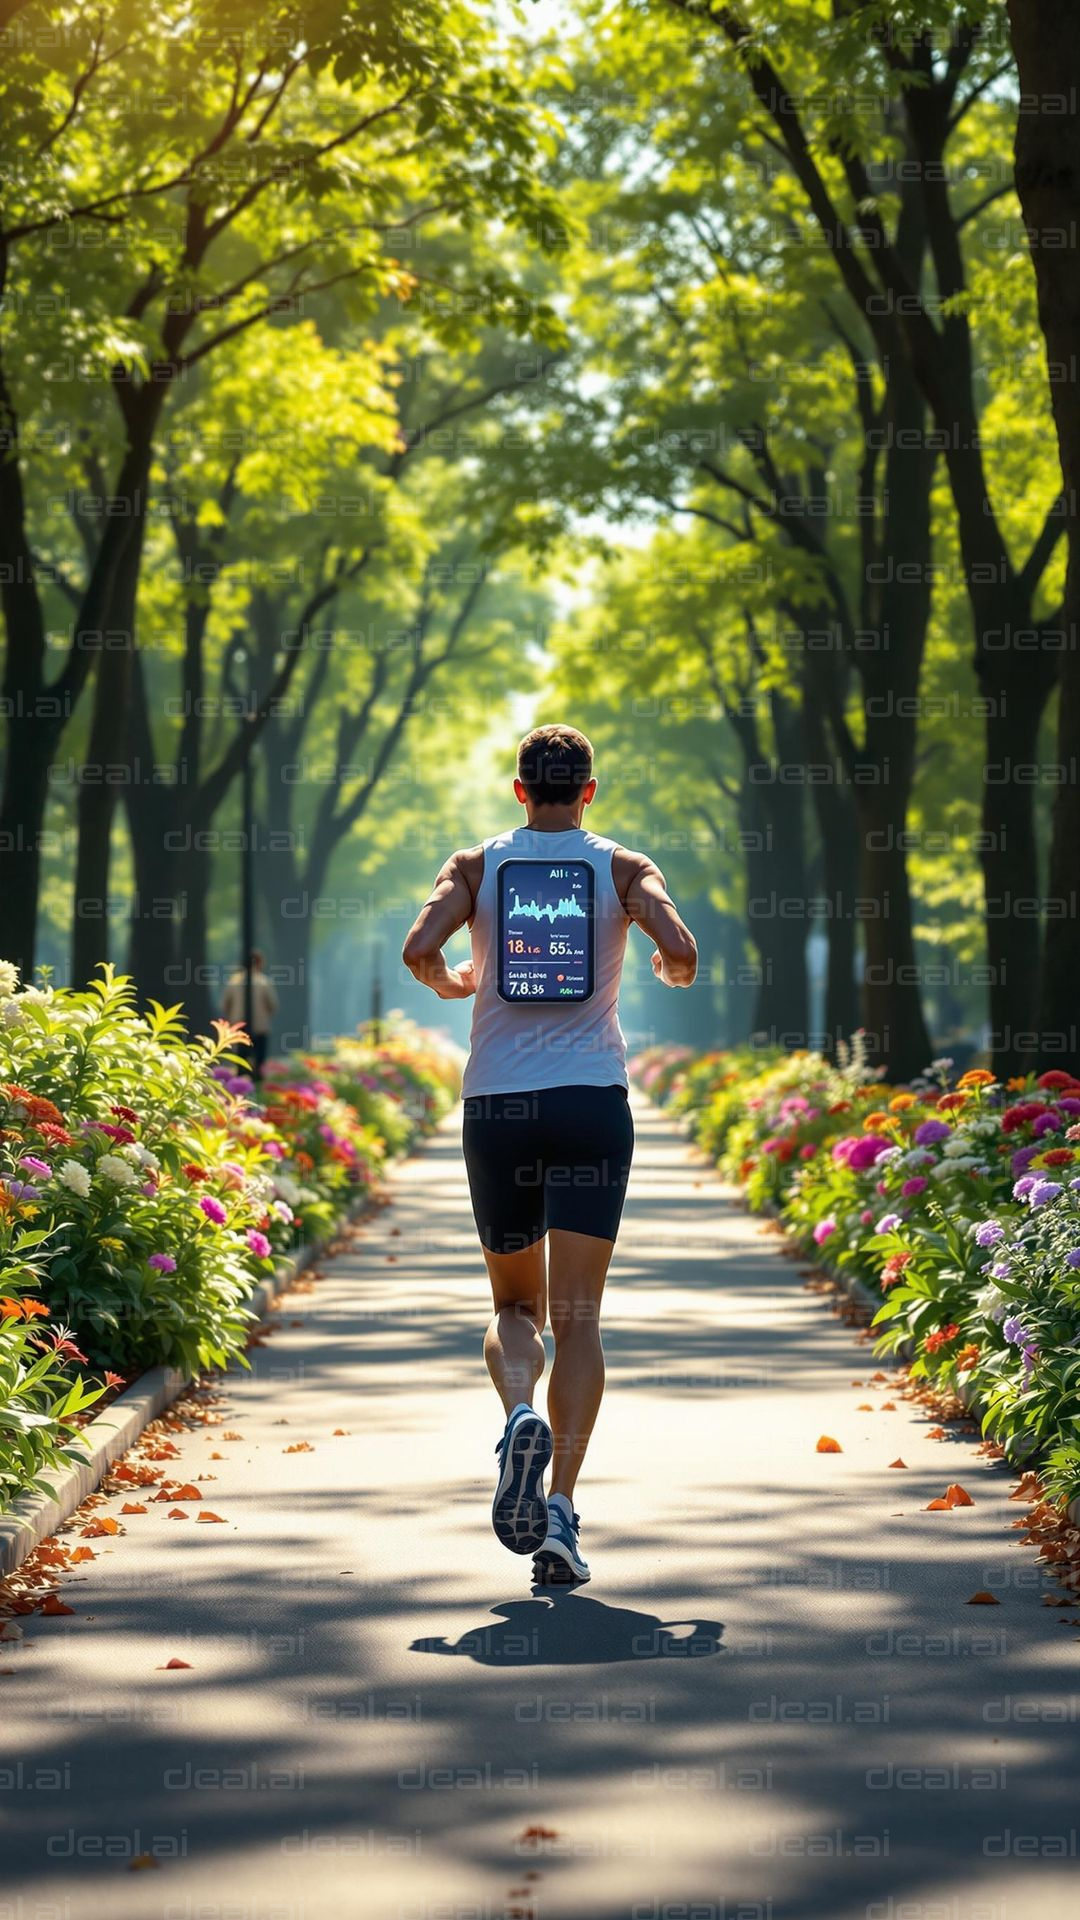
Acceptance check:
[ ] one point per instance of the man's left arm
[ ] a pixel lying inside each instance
(448, 906)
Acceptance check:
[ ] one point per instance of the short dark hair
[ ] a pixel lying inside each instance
(553, 764)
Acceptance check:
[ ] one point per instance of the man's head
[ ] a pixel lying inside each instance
(555, 769)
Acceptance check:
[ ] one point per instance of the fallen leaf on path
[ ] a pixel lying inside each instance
(936, 1433)
(133, 1506)
(178, 1513)
(95, 1528)
(879, 1376)
(958, 1496)
(898, 1463)
(342, 1431)
(983, 1599)
(1029, 1488)
(82, 1553)
(232, 1436)
(205, 1515)
(217, 1456)
(888, 1406)
(186, 1492)
(828, 1445)
(299, 1446)
(864, 1407)
(173, 1663)
(939, 1506)
(53, 1604)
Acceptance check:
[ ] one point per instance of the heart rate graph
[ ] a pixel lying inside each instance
(545, 930)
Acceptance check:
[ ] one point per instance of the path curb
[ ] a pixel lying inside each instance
(34, 1517)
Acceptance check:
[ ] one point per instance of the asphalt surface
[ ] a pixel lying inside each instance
(772, 1703)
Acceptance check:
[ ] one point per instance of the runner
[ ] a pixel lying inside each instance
(548, 1136)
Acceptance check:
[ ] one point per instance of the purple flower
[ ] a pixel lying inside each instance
(823, 1230)
(1022, 1158)
(887, 1222)
(18, 1189)
(931, 1132)
(914, 1186)
(259, 1244)
(1072, 1258)
(1043, 1192)
(1046, 1123)
(213, 1209)
(999, 1270)
(1023, 1187)
(162, 1263)
(1069, 1105)
(38, 1168)
(988, 1233)
(1029, 1355)
(276, 1149)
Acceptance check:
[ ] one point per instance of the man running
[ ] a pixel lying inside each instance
(548, 1136)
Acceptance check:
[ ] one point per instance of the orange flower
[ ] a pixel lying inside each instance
(900, 1102)
(950, 1101)
(1016, 1084)
(976, 1077)
(967, 1356)
(37, 1108)
(875, 1120)
(22, 1309)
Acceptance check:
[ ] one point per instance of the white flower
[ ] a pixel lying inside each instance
(37, 996)
(142, 1156)
(120, 1172)
(288, 1189)
(76, 1177)
(915, 1157)
(9, 977)
(11, 1013)
(990, 1300)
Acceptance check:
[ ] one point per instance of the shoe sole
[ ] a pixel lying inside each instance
(554, 1570)
(519, 1512)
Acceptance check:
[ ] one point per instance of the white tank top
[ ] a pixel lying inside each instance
(521, 1047)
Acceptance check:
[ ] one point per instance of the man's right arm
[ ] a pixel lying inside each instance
(651, 907)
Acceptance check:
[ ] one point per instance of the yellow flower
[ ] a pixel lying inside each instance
(900, 1102)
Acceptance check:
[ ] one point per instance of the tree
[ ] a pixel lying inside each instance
(1046, 40)
(231, 166)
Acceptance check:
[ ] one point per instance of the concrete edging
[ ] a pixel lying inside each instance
(33, 1517)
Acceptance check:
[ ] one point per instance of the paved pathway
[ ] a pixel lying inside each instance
(772, 1701)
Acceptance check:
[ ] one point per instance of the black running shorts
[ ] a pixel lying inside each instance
(559, 1157)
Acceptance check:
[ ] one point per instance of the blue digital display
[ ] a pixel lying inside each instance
(546, 920)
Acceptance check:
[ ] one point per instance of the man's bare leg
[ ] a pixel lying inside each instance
(577, 1268)
(513, 1347)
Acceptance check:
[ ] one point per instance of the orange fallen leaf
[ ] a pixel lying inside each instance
(958, 1496)
(133, 1506)
(888, 1406)
(178, 1513)
(173, 1663)
(82, 1553)
(827, 1445)
(232, 1436)
(983, 1599)
(864, 1407)
(879, 1375)
(855, 1383)
(96, 1528)
(205, 1515)
(53, 1604)
(187, 1492)
(939, 1506)
(299, 1446)
(340, 1430)
(898, 1463)
(217, 1456)
(936, 1433)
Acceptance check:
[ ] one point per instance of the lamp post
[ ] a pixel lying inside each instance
(376, 993)
(240, 662)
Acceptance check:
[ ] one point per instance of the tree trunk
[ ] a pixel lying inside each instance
(1010, 863)
(838, 833)
(1046, 40)
(107, 762)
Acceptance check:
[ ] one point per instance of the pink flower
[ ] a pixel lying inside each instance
(914, 1186)
(823, 1230)
(259, 1244)
(213, 1209)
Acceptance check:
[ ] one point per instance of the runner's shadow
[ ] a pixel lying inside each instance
(564, 1630)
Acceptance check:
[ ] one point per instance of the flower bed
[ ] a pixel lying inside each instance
(145, 1191)
(958, 1205)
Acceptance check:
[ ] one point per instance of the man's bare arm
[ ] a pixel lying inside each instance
(448, 906)
(651, 907)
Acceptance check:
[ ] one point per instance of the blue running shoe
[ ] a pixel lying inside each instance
(559, 1562)
(519, 1512)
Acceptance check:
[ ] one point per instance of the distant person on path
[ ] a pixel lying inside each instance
(548, 1135)
(264, 1005)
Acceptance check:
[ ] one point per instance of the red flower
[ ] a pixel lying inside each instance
(941, 1338)
(192, 1172)
(1020, 1115)
(1056, 1081)
(125, 1113)
(1058, 1157)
